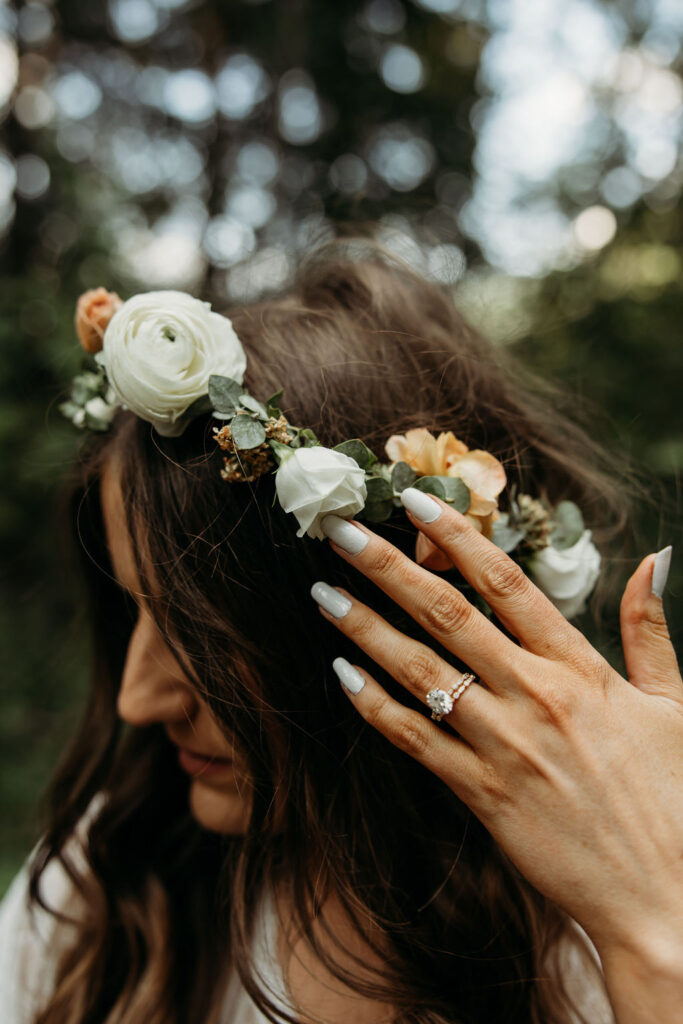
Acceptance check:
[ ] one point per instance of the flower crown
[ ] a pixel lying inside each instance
(168, 358)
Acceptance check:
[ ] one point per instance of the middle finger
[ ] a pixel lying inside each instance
(412, 664)
(435, 604)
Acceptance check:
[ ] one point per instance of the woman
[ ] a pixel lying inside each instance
(230, 826)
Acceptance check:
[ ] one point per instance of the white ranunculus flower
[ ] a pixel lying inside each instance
(567, 577)
(159, 351)
(312, 482)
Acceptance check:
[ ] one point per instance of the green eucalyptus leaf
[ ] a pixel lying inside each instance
(382, 469)
(357, 450)
(246, 432)
(280, 450)
(568, 525)
(379, 489)
(504, 535)
(402, 476)
(457, 493)
(198, 407)
(431, 485)
(309, 438)
(224, 393)
(253, 405)
(377, 511)
(273, 403)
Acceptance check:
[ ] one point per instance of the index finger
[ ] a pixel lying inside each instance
(519, 604)
(435, 604)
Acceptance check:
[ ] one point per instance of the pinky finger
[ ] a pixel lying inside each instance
(441, 752)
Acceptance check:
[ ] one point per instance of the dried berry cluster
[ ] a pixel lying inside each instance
(250, 463)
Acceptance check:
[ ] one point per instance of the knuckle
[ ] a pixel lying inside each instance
(445, 611)
(554, 702)
(410, 737)
(362, 628)
(600, 672)
(377, 712)
(385, 559)
(492, 788)
(504, 578)
(418, 667)
(576, 653)
(455, 526)
(645, 615)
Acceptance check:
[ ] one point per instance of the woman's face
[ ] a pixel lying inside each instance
(154, 688)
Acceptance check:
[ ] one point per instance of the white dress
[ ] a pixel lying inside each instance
(31, 941)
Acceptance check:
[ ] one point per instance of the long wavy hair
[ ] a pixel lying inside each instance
(364, 347)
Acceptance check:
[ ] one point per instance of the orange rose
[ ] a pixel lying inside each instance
(445, 455)
(94, 310)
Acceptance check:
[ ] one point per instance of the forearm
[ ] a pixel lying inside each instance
(646, 986)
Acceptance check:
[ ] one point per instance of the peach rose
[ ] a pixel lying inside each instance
(445, 455)
(94, 310)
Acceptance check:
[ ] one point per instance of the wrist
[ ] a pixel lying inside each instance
(644, 976)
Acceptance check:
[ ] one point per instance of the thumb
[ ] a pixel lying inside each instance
(650, 658)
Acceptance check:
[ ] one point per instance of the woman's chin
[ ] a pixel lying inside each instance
(218, 810)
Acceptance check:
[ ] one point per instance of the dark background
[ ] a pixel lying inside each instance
(525, 154)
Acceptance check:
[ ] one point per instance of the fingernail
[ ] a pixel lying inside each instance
(344, 533)
(660, 572)
(330, 599)
(421, 505)
(349, 677)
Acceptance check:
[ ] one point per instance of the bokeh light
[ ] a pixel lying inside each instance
(36, 22)
(77, 96)
(33, 176)
(401, 69)
(189, 95)
(133, 21)
(386, 17)
(9, 69)
(348, 173)
(401, 156)
(241, 85)
(300, 119)
(594, 228)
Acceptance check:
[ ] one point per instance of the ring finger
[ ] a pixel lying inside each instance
(411, 663)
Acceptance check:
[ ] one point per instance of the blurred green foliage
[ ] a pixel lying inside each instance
(207, 146)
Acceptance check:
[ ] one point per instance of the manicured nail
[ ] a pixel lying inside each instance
(330, 599)
(350, 679)
(344, 533)
(421, 505)
(660, 572)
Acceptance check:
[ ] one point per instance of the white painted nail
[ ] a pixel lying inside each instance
(330, 599)
(421, 505)
(660, 572)
(349, 677)
(344, 533)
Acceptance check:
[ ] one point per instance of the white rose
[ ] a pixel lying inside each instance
(159, 351)
(312, 482)
(567, 577)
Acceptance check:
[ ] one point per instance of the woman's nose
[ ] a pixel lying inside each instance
(153, 686)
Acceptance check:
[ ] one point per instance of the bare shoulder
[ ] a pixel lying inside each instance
(316, 992)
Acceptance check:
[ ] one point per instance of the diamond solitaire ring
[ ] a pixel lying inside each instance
(441, 701)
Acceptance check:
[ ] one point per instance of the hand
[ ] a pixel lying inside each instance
(576, 771)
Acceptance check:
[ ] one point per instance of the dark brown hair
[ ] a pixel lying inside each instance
(364, 348)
